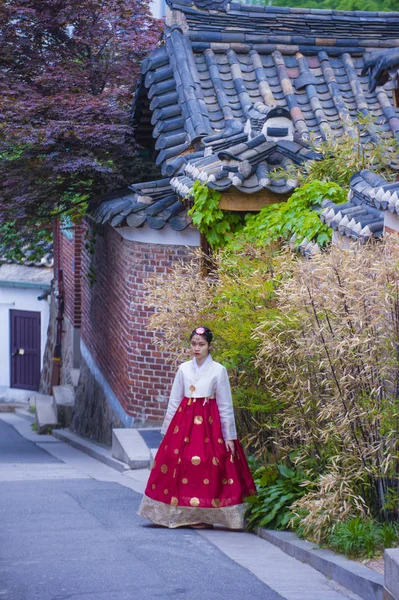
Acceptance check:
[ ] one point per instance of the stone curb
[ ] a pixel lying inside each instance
(354, 576)
(91, 448)
(25, 414)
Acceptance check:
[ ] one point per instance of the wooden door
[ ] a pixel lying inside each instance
(25, 349)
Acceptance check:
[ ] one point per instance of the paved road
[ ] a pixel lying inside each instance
(15, 448)
(69, 538)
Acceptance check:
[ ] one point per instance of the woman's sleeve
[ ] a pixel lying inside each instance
(176, 395)
(225, 406)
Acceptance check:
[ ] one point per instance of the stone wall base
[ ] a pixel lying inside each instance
(70, 350)
(70, 353)
(96, 411)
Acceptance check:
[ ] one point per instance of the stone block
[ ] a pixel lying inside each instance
(32, 399)
(354, 576)
(45, 415)
(129, 447)
(63, 402)
(391, 572)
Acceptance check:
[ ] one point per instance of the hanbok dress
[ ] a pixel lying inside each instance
(194, 478)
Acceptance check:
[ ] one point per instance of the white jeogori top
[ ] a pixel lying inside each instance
(210, 380)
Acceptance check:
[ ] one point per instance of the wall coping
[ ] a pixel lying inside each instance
(165, 236)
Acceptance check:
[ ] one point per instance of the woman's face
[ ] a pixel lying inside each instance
(199, 347)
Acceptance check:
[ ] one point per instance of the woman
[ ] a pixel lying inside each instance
(200, 475)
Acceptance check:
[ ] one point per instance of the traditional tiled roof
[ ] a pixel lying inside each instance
(245, 164)
(23, 276)
(235, 92)
(223, 67)
(153, 203)
(41, 255)
(362, 217)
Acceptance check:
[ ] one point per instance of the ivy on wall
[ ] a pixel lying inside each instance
(217, 225)
(275, 222)
(297, 216)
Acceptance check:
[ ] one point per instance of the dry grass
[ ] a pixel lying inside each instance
(181, 299)
(331, 358)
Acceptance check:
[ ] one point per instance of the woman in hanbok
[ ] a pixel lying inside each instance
(200, 476)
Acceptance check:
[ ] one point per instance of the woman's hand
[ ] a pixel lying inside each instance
(230, 446)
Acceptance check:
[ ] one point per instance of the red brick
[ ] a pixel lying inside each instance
(113, 315)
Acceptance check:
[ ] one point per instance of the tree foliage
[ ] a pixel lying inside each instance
(318, 180)
(69, 69)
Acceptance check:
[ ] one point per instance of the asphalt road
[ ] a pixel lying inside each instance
(80, 539)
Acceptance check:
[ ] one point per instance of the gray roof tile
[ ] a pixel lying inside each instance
(229, 59)
(153, 203)
(198, 89)
(362, 217)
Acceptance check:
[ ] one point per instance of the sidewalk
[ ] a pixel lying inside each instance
(290, 578)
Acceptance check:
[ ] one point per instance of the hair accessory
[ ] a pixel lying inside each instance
(200, 330)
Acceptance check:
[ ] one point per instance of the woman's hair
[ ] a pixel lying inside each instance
(204, 331)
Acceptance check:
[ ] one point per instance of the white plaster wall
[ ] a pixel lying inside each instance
(18, 299)
(165, 236)
(391, 223)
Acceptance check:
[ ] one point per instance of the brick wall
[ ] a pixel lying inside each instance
(114, 317)
(68, 257)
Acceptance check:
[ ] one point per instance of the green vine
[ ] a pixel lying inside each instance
(298, 215)
(275, 222)
(90, 239)
(217, 225)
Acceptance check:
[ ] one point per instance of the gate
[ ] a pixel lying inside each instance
(25, 349)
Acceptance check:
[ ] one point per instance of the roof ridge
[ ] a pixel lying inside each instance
(225, 6)
(314, 11)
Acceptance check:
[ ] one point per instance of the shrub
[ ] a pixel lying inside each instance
(331, 499)
(330, 359)
(278, 487)
(361, 538)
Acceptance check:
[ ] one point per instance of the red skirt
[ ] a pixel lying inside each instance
(194, 479)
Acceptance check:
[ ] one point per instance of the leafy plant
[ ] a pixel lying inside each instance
(217, 225)
(298, 217)
(277, 489)
(14, 246)
(389, 535)
(331, 498)
(374, 5)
